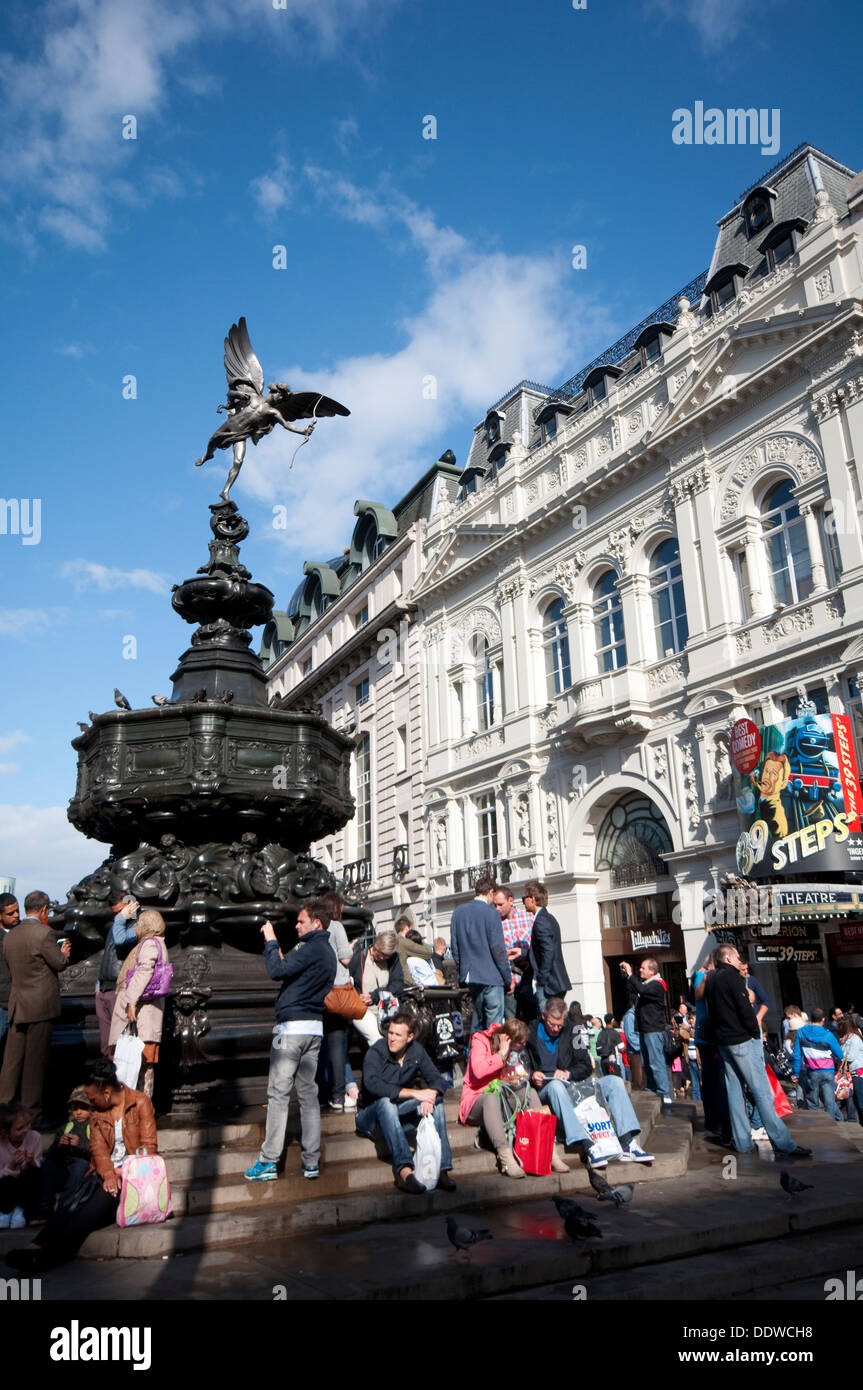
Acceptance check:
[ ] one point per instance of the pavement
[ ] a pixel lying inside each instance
(724, 1229)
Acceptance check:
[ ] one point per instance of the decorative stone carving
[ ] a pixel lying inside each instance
(635, 422)
(824, 210)
(659, 759)
(579, 459)
(440, 842)
(686, 320)
(552, 833)
(521, 809)
(690, 785)
(552, 481)
(679, 382)
(787, 449)
(664, 675)
(604, 445)
(835, 608)
(787, 624)
(824, 284)
(743, 642)
(479, 620)
(532, 492)
(566, 572)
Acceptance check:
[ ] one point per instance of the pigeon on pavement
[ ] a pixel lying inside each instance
(579, 1226)
(620, 1196)
(793, 1186)
(462, 1237)
(120, 699)
(160, 700)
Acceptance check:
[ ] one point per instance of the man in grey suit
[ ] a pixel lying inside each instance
(479, 951)
(546, 954)
(34, 960)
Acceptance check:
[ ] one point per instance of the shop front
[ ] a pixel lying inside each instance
(633, 928)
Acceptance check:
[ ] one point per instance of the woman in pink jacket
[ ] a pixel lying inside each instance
(494, 1056)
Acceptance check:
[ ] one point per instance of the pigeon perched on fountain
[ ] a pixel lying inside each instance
(82, 727)
(120, 699)
(160, 701)
(91, 716)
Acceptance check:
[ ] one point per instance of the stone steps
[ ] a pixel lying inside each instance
(215, 1207)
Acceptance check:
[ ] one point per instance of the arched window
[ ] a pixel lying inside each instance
(788, 556)
(484, 683)
(556, 644)
(608, 624)
(631, 841)
(669, 604)
(364, 799)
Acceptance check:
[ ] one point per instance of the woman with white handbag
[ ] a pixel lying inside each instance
(142, 988)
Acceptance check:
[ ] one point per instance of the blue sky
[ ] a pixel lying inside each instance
(302, 127)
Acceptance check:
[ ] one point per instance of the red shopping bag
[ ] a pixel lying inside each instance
(781, 1103)
(534, 1141)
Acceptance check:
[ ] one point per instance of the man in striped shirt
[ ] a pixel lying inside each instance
(517, 923)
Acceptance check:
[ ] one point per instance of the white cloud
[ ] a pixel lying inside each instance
(271, 191)
(75, 350)
(6, 769)
(84, 574)
(93, 62)
(26, 621)
(716, 22)
(40, 849)
(488, 320)
(10, 741)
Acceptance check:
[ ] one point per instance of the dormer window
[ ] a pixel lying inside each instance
(758, 210)
(724, 285)
(649, 342)
(781, 242)
(597, 381)
(498, 456)
(493, 422)
(468, 480)
(548, 419)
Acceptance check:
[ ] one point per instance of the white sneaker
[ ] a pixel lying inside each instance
(350, 1101)
(635, 1154)
(759, 1133)
(5, 1218)
(18, 1220)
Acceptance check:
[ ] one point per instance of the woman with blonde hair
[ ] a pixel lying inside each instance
(142, 987)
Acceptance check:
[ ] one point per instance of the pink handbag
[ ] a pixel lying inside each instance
(145, 1196)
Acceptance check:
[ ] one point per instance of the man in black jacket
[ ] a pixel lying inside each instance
(742, 1051)
(553, 1061)
(307, 974)
(391, 1095)
(546, 954)
(10, 916)
(648, 994)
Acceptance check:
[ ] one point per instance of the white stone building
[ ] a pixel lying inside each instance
(348, 646)
(668, 541)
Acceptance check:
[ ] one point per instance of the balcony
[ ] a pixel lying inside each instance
(464, 879)
(356, 877)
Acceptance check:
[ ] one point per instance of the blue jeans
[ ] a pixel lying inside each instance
(695, 1078)
(555, 1095)
(293, 1058)
(821, 1086)
(385, 1116)
(713, 1092)
(4, 1023)
(487, 1005)
(655, 1065)
(744, 1065)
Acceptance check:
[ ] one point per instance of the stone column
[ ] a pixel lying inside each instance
(497, 690)
(509, 662)
(816, 553)
(635, 599)
(689, 564)
(760, 593)
(844, 517)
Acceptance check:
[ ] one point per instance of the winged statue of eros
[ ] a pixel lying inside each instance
(251, 414)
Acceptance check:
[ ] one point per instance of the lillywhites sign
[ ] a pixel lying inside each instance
(657, 940)
(799, 800)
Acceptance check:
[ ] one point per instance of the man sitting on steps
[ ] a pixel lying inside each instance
(391, 1070)
(553, 1061)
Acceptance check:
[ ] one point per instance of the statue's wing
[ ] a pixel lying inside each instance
(241, 364)
(303, 405)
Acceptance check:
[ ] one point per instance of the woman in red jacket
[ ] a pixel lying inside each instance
(494, 1055)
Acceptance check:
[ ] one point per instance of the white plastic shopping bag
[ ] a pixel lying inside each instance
(597, 1122)
(127, 1059)
(428, 1154)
